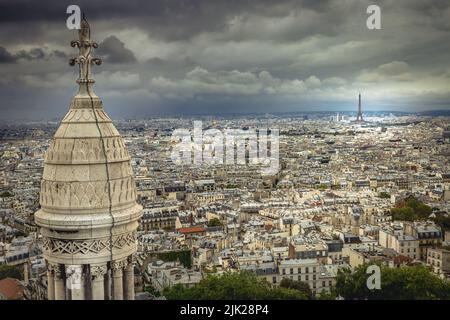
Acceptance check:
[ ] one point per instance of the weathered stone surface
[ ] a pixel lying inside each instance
(89, 214)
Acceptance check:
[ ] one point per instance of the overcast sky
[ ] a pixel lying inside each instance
(190, 57)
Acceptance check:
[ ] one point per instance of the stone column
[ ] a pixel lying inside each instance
(75, 281)
(60, 287)
(108, 284)
(98, 281)
(128, 280)
(117, 268)
(50, 281)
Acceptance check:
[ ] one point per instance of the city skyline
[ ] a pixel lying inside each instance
(190, 58)
(256, 151)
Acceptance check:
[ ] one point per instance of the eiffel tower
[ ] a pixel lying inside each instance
(359, 117)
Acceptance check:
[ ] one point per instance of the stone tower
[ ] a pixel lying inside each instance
(89, 215)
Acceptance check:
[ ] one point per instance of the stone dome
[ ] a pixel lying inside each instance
(89, 214)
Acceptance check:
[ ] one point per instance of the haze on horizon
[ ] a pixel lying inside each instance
(229, 56)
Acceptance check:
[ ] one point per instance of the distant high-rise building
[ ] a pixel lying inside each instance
(89, 214)
(359, 117)
(337, 117)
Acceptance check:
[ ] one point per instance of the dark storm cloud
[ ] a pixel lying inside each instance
(191, 56)
(5, 56)
(60, 54)
(32, 54)
(115, 52)
(170, 19)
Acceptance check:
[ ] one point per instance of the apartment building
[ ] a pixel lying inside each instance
(439, 261)
(405, 245)
(428, 233)
(320, 278)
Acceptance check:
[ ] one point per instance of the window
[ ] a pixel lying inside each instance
(291, 271)
(306, 269)
(284, 271)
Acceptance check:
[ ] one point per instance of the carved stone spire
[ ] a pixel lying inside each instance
(89, 214)
(85, 59)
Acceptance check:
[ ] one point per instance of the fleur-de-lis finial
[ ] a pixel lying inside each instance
(84, 59)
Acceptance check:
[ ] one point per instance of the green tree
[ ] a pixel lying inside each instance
(297, 285)
(423, 211)
(443, 222)
(384, 195)
(214, 222)
(411, 209)
(184, 257)
(232, 286)
(326, 295)
(412, 202)
(152, 291)
(10, 272)
(404, 283)
(405, 214)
